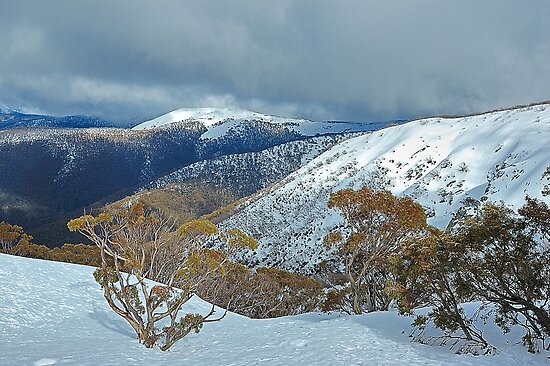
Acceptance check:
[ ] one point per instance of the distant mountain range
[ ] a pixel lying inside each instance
(289, 167)
(55, 173)
(12, 119)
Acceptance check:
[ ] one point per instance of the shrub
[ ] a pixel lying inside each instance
(264, 292)
(135, 245)
(496, 256)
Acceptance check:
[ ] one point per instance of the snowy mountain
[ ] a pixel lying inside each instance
(55, 314)
(439, 162)
(247, 173)
(209, 117)
(223, 121)
(55, 173)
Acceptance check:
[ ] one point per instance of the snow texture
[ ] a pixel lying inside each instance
(54, 314)
(249, 172)
(438, 161)
(220, 121)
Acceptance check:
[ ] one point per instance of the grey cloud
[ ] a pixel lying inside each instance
(359, 59)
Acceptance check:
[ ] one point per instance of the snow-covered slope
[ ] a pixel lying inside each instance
(221, 121)
(439, 162)
(54, 314)
(249, 172)
(209, 117)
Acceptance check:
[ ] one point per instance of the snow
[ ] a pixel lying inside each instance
(54, 314)
(208, 116)
(439, 162)
(220, 121)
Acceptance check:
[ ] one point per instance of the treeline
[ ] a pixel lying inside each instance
(13, 240)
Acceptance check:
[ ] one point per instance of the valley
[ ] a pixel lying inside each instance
(274, 183)
(56, 173)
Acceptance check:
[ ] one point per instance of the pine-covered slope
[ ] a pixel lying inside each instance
(439, 162)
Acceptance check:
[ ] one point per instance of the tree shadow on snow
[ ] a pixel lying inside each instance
(110, 322)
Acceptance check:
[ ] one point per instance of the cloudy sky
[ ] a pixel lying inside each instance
(346, 59)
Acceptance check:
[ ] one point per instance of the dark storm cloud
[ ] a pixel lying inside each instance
(319, 59)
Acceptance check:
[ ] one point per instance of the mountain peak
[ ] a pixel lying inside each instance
(208, 116)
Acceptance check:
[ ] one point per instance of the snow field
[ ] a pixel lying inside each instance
(54, 314)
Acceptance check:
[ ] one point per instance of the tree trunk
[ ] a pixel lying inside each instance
(543, 318)
(357, 309)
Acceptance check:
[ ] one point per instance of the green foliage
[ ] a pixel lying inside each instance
(88, 220)
(507, 263)
(235, 238)
(187, 324)
(197, 228)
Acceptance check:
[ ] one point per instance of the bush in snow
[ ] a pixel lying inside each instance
(10, 236)
(138, 244)
(263, 292)
(13, 240)
(497, 256)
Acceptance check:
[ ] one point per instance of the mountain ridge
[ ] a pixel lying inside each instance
(220, 122)
(209, 116)
(14, 119)
(438, 162)
(55, 171)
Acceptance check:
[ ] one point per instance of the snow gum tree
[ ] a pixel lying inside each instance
(496, 256)
(11, 235)
(13, 240)
(137, 244)
(507, 263)
(427, 273)
(375, 223)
